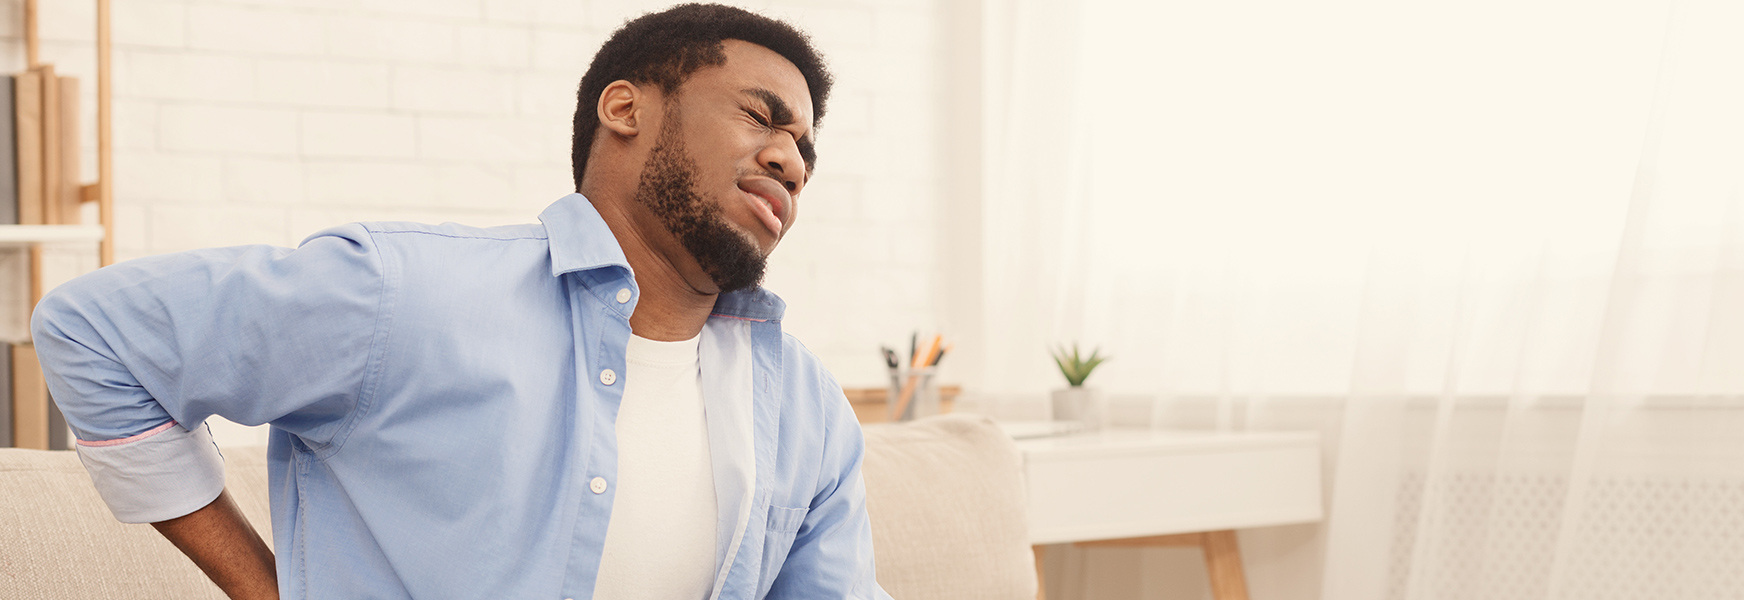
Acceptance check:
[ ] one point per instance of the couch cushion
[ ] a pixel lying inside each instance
(945, 496)
(58, 540)
(949, 518)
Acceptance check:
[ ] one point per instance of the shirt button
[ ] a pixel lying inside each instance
(598, 485)
(608, 377)
(623, 295)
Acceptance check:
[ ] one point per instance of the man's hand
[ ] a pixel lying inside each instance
(220, 540)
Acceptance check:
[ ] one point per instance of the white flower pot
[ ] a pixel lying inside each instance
(1083, 405)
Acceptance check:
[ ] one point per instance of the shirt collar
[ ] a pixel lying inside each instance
(580, 240)
(755, 304)
(579, 237)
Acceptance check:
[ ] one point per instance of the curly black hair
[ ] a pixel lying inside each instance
(664, 48)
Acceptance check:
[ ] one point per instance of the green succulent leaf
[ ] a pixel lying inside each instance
(1074, 366)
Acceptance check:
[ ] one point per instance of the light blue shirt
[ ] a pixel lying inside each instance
(442, 401)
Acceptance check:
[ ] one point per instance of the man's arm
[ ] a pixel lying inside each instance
(220, 540)
(139, 354)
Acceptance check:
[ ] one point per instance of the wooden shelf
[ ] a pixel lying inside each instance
(870, 404)
(12, 236)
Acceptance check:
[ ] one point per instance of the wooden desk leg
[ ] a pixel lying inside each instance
(1041, 582)
(1223, 564)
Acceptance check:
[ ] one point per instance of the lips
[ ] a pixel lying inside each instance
(768, 200)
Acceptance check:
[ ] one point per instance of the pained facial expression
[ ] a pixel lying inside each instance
(732, 157)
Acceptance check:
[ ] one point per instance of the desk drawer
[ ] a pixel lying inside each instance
(1079, 492)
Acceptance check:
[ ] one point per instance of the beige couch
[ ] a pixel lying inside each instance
(945, 496)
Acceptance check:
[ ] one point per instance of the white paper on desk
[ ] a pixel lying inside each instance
(1019, 430)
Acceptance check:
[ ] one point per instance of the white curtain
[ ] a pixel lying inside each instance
(1492, 249)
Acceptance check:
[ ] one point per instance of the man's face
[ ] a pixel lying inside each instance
(731, 158)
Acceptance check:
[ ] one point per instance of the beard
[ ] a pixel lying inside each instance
(668, 189)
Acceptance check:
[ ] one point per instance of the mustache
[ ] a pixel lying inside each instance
(759, 172)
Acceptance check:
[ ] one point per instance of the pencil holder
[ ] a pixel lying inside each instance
(912, 394)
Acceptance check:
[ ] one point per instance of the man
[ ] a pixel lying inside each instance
(599, 405)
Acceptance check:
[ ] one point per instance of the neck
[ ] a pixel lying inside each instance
(673, 307)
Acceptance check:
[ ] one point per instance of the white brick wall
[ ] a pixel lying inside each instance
(262, 121)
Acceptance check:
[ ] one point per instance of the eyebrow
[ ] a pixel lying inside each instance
(782, 114)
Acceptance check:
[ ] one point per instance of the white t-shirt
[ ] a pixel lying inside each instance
(660, 542)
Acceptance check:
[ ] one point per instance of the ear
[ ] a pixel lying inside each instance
(620, 108)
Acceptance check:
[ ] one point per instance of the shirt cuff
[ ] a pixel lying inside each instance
(158, 475)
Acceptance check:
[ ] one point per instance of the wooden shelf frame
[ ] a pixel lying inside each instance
(101, 191)
(33, 424)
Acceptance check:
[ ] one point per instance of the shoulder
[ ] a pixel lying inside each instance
(815, 401)
(821, 439)
(410, 248)
(807, 373)
(398, 230)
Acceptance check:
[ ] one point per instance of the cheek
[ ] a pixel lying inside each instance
(722, 156)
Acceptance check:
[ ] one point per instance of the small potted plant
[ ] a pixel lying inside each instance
(1078, 403)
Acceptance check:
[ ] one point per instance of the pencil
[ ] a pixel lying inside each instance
(908, 386)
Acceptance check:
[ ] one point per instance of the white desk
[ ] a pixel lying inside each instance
(1139, 487)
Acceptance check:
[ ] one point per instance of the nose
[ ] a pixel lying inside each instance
(782, 159)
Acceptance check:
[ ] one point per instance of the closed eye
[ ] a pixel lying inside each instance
(758, 117)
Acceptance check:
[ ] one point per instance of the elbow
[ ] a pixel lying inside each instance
(48, 320)
(62, 327)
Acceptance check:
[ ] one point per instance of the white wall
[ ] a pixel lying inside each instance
(263, 121)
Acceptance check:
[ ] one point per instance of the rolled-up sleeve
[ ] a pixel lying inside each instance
(138, 355)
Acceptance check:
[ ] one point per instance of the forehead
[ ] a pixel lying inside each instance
(750, 66)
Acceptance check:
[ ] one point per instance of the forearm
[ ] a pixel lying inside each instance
(223, 544)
